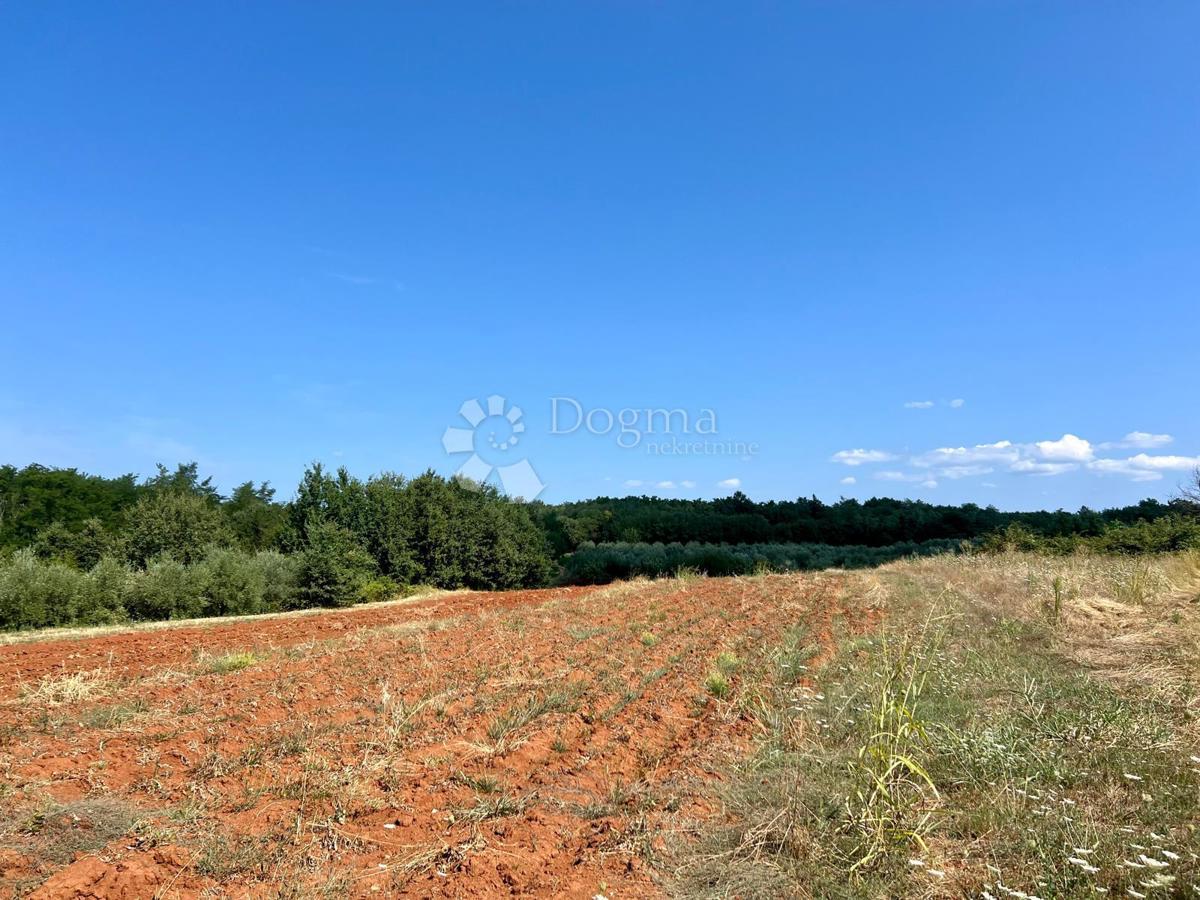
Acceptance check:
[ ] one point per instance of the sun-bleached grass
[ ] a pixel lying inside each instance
(93, 631)
(76, 687)
(1040, 741)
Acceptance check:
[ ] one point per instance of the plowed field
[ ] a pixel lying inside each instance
(546, 743)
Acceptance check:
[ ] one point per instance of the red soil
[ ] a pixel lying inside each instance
(364, 752)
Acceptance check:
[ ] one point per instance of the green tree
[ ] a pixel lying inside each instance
(184, 480)
(332, 566)
(179, 524)
(34, 498)
(254, 519)
(82, 548)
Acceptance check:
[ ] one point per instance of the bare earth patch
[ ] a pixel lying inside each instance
(465, 744)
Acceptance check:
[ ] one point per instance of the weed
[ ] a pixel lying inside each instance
(226, 663)
(727, 663)
(114, 716)
(894, 786)
(538, 705)
(63, 830)
(717, 685)
(222, 857)
(585, 632)
(481, 784)
(400, 717)
(495, 808)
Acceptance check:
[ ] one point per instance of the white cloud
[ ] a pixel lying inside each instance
(1068, 453)
(1123, 467)
(957, 403)
(1030, 467)
(849, 479)
(1139, 440)
(1144, 460)
(666, 485)
(687, 484)
(980, 454)
(633, 482)
(924, 479)
(1144, 467)
(1068, 447)
(964, 471)
(918, 404)
(730, 483)
(859, 456)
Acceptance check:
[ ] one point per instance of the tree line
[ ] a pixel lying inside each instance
(81, 548)
(878, 522)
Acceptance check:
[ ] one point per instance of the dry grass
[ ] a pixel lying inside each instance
(1134, 621)
(58, 690)
(93, 631)
(1041, 741)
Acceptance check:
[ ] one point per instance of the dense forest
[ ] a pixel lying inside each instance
(79, 548)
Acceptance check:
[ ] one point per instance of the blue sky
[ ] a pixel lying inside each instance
(261, 234)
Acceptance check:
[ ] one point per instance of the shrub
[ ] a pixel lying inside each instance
(233, 583)
(332, 568)
(376, 589)
(600, 563)
(105, 592)
(167, 589)
(36, 594)
(280, 578)
(1166, 534)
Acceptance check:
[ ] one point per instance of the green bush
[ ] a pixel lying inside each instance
(376, 589)
(167, 589)
(233, 583)
(36, 594)
(281, 576)
(106, 588)
(425, 530)
(1167, 534)
(601, 563)
(39, 594)
(332, 567)
(81, 548)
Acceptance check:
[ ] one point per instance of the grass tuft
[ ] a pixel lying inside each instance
(717, 685)
(227, 663)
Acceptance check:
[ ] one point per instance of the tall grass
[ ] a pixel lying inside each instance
(892, 801)
(1041, 741)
